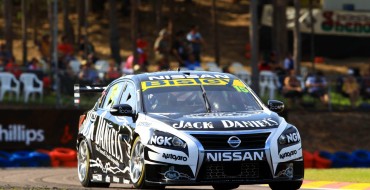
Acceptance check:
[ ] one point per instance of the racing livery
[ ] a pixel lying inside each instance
(186, 128)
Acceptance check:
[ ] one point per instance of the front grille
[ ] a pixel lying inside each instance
(231, 170)
(217, 142)
(234, 171)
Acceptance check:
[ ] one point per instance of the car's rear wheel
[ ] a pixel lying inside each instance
(287, 185)
(225, 186)
(84, 172)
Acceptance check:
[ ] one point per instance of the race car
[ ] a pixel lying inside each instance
(186, 128)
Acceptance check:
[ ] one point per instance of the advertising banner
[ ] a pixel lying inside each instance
(340, 23)
(29, 129)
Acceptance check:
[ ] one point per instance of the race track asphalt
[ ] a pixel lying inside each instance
(66, 178)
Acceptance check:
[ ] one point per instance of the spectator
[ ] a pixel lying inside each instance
(365, 86)
(127, 67)
(180, 48)
(65, 47)
(4, 53)
(351, 88)
(288, 63)
(13, 67)
(192, 63)
(34, 65)
(292, 88)
(85, 47)
(317, 87)
(44, 47)
(113, 72)
(196, 40)
(88, 73)
(2, 64)
(142, 45)
(162, 49)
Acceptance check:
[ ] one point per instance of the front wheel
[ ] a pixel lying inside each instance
(287, 185)
(84, 172)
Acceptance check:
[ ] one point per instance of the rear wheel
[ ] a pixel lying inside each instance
(287, 185)
(225, 186)
(84, 172)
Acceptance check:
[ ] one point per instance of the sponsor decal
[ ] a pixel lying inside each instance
(193, 76)
(193, 125)
(235, 156)
(174, 157)
(288, 172)
(20, 133)
(161, 140)
(108, 140)
(115, 179)
(293, 138)
(267, 122)
(97, 177)
(107, 167)
(288, 154)
(172, 174)
(107, 179)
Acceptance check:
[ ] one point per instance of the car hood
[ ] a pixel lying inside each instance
(220, 121)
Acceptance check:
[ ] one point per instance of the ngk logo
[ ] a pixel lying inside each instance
(19, 133)
(293, 137)
(161, 140)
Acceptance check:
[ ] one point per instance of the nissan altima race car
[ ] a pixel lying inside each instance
(186, 128)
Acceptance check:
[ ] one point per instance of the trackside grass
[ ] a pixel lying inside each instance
(355, 175)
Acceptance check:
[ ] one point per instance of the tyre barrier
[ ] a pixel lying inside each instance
(58, 157)
(23, 159)
(361, 158)
(308, 159)
(65, 157)
(5, 159)
(342, 159)
(322, 159)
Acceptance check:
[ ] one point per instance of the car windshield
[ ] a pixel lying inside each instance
(172, 96)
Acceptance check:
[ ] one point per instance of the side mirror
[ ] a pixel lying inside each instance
(122, 110)
(275, 106)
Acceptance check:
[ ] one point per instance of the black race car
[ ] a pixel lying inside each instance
(186, 128)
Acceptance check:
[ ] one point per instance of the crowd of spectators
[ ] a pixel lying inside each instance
(353, 86)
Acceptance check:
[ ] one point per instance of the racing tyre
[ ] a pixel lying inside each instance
(83, 166)
(286, 185)
(225, 186)
(137, 166)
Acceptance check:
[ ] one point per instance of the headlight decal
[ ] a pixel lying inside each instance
(168, 141)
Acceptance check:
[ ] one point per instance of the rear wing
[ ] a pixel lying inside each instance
(85, 89)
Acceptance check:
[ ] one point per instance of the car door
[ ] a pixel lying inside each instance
(129, 97)
(107, 144)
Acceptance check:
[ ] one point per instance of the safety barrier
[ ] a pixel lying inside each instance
(58, 157)
(339, 159)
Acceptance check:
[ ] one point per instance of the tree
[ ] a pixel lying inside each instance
(8, 31)
(113, 31)
(254, 38)
(24, 32)
(297, 47)
(67, 25)
(82, 17)
(215, 32)
(134, 28)
(279, 30)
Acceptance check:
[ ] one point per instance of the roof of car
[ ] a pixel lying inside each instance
(179, 75)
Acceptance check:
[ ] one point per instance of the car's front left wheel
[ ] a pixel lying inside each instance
(137, 166)
(84, 172)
